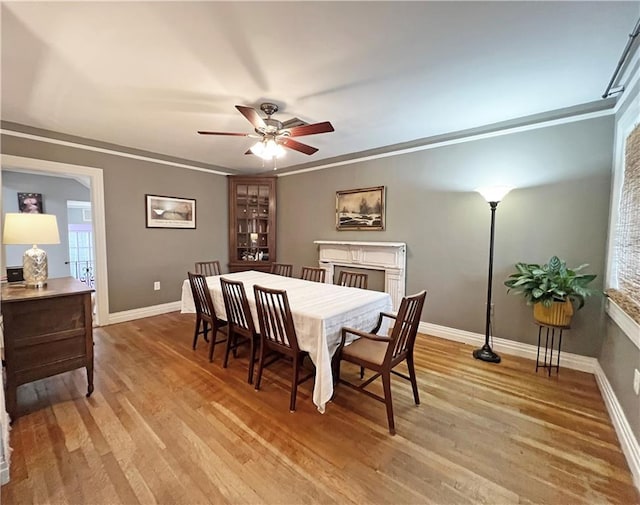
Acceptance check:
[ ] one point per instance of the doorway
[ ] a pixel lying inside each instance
(94, 177)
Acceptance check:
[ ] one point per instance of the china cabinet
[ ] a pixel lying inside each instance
(252, 223)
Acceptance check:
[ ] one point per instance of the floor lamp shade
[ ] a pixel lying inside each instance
(24, 229)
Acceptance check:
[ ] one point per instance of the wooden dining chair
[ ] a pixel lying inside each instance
(282, 269)
(314, 274)
(353, 279)
(383, 353)
(278, 334)
(241, 329)
(205, 313)
(208, 268)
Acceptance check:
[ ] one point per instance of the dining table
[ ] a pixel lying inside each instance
(319, 311)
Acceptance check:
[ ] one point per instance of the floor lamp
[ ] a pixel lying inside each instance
(493, 195)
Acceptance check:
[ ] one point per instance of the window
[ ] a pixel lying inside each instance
(625, 282)
(81, 254)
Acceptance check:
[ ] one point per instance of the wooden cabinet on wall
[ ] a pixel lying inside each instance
(252, 223)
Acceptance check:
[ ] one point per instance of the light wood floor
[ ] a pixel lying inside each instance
(166, 426)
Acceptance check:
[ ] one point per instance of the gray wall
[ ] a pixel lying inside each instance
(55, 193)
(138, 256)
(560, 207)
(619, 356)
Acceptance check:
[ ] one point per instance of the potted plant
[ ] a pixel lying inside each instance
(551, 289)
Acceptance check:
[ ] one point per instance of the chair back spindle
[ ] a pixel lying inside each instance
(274, 317)
(353, 279)
(405, 329)
(283, 269)
(314, 274)
(201, 294)
(236, 304)
(208, 268)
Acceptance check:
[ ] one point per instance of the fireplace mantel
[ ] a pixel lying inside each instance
(391, 257)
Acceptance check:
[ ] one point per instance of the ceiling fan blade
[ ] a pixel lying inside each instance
(249, 151)
(224, 133)
(297, 146)
(252, 116)
(311, 129)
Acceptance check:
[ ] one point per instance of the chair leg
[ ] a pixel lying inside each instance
(294, 384)
(361, 372)
(260, 365)
(231, 341)
(386, 382)
(412, 376)
(252, 359)
(206, 330)
(335, 365)
(195, 333)
(212, 344)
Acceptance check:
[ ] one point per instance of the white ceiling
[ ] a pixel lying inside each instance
(148, 75)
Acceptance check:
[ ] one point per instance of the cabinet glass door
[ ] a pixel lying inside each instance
(252, 211)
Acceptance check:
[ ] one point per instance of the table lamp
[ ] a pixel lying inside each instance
(24, 229)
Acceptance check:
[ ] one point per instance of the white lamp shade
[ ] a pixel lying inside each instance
(267, 149)
(30, 229)
(494, 193)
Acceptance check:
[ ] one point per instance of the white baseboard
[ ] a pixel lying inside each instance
(154, 310)
(503, 345)
(628, 441)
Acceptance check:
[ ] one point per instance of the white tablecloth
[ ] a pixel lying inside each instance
(319, 313)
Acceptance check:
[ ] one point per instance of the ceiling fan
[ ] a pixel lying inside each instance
(274, 134)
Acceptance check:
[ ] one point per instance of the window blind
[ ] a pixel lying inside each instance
(627, 234)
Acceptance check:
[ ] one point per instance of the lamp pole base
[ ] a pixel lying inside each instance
(486, 354)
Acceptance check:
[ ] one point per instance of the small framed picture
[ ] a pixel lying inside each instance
(170, 212)
(30, 203)
(360, 209)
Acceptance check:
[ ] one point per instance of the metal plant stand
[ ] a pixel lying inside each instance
(551, 332)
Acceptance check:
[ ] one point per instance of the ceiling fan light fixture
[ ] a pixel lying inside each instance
(258, 148)
(268, 149)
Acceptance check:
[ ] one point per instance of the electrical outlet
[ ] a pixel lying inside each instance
(156, 286)
(636, 381)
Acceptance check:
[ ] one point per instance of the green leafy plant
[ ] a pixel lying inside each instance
(551, 282)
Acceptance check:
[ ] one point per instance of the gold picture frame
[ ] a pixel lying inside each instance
(361, 209)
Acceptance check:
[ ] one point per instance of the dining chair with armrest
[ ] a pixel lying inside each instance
(314, 274)
(277, 333)
(205, 313)
(382, 354)
(241, 329)
(208, 268)
(283, 269)
(353, 279)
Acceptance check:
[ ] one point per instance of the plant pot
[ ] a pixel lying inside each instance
(559, 314)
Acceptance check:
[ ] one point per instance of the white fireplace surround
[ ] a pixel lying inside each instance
(391, 257)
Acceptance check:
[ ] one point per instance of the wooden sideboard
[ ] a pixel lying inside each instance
(47, 331)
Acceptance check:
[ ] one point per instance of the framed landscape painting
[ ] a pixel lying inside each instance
(170, 212)
(360, 209)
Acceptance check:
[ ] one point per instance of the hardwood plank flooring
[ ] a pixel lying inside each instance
(166, 426)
